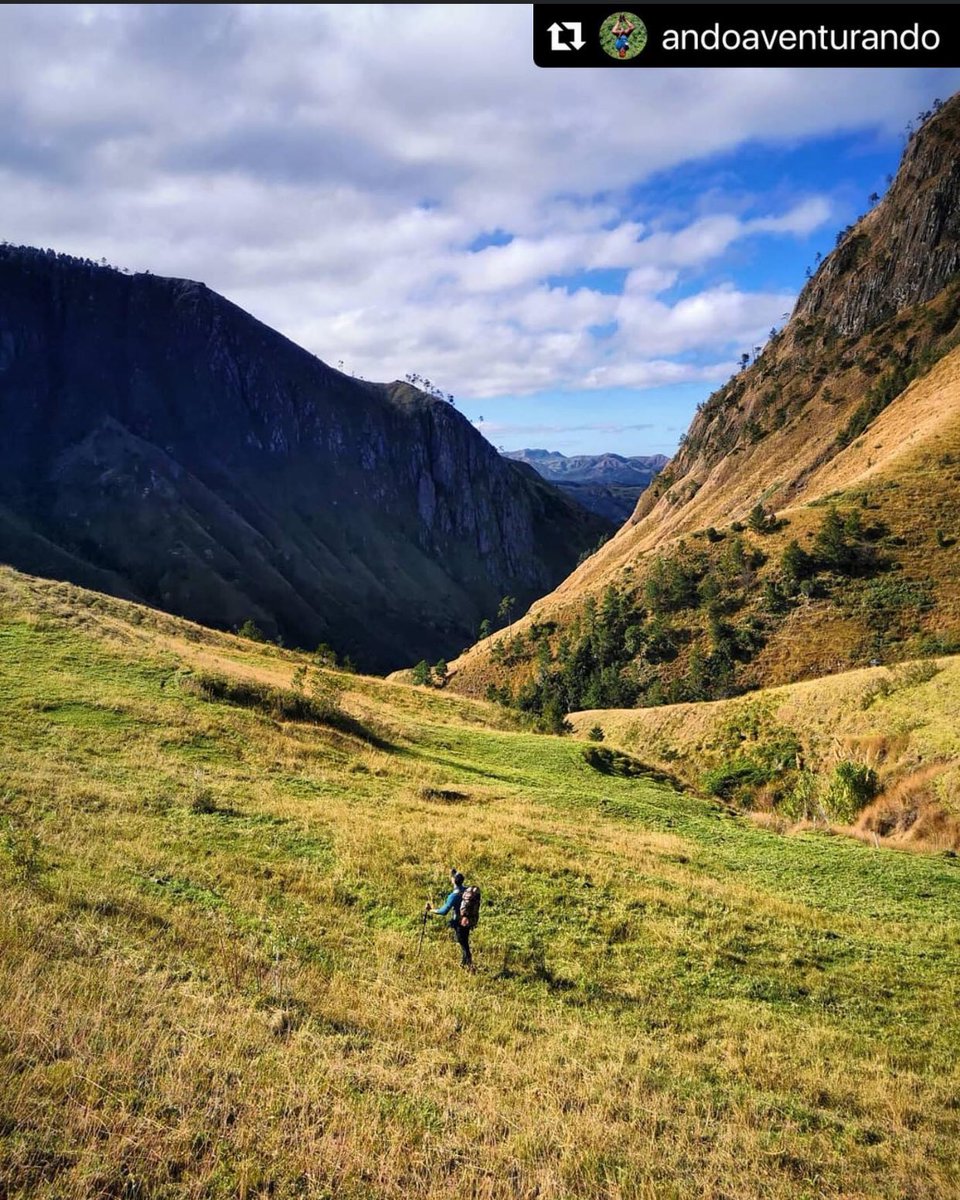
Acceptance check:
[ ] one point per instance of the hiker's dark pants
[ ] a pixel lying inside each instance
(462, 934)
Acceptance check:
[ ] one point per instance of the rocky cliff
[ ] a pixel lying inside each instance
(903, 252)
(162, 444)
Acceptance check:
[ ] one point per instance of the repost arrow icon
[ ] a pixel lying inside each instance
(556, 29)
(575, 28)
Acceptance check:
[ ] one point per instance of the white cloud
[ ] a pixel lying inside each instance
(327, 167)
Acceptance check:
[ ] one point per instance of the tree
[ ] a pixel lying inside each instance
(759, 519)
(250, 629)
(485, 629)
(554, 719)
(873, 197)
(698, 675)
(325, 655)
(505, 610)
(596, 734)
(830, 546)
(796, 565)
(772, 598)
(440, 672)
(422, 674)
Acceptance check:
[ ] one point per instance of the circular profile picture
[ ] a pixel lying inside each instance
(623, 35)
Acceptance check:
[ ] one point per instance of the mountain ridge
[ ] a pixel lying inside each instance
(161, 442)
(866, 421)
(608, 484)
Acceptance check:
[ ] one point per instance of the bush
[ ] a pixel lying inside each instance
(422, 673)
(596, 734)
(250, 629)
(802, 801)
(736, 775)
(852, 786)
(283, 704)
(615, 762)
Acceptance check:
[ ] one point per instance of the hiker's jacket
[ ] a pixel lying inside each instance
(452, 901)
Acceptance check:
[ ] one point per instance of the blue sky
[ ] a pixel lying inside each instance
(847, 170)
(579, 257)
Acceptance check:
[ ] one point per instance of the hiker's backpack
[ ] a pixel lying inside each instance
(470, 907)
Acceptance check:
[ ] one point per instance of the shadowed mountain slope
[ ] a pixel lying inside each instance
(161, 444)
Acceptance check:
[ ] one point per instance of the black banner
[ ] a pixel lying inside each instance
(745, 35)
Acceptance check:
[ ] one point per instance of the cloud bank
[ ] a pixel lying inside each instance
(399, 188)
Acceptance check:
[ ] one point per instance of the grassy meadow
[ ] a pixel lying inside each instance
(210, 984)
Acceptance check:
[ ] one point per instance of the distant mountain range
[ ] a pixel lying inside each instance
(607, 484)
(161, 444)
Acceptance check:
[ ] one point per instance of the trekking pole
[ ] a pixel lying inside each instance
(423, 930)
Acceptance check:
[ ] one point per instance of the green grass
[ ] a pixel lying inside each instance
(211, 984)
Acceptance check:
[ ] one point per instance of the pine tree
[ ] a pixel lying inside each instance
(758, 521)
(422, 674)
(796, 565)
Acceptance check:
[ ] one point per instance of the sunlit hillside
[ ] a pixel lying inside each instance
(850, 413)
(214, 855)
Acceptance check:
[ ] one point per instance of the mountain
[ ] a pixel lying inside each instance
(607, 484)
(811, 519)
(634, 471)
(161, 444)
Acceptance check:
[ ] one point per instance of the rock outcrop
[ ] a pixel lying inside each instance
(906, 250)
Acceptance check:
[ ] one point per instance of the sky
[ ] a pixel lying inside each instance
(579, 257)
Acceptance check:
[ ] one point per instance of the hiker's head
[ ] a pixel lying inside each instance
(457, 878)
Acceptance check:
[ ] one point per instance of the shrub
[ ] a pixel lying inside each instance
(250, 629)
(735, 776)
(23, 851)
(283, 704)
(802, 801)
(596, 734)
(325, 655)
(852, 786)
(422, 673)
(614, 762)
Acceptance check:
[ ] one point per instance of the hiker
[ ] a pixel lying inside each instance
(622, 33)
(464, 904)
